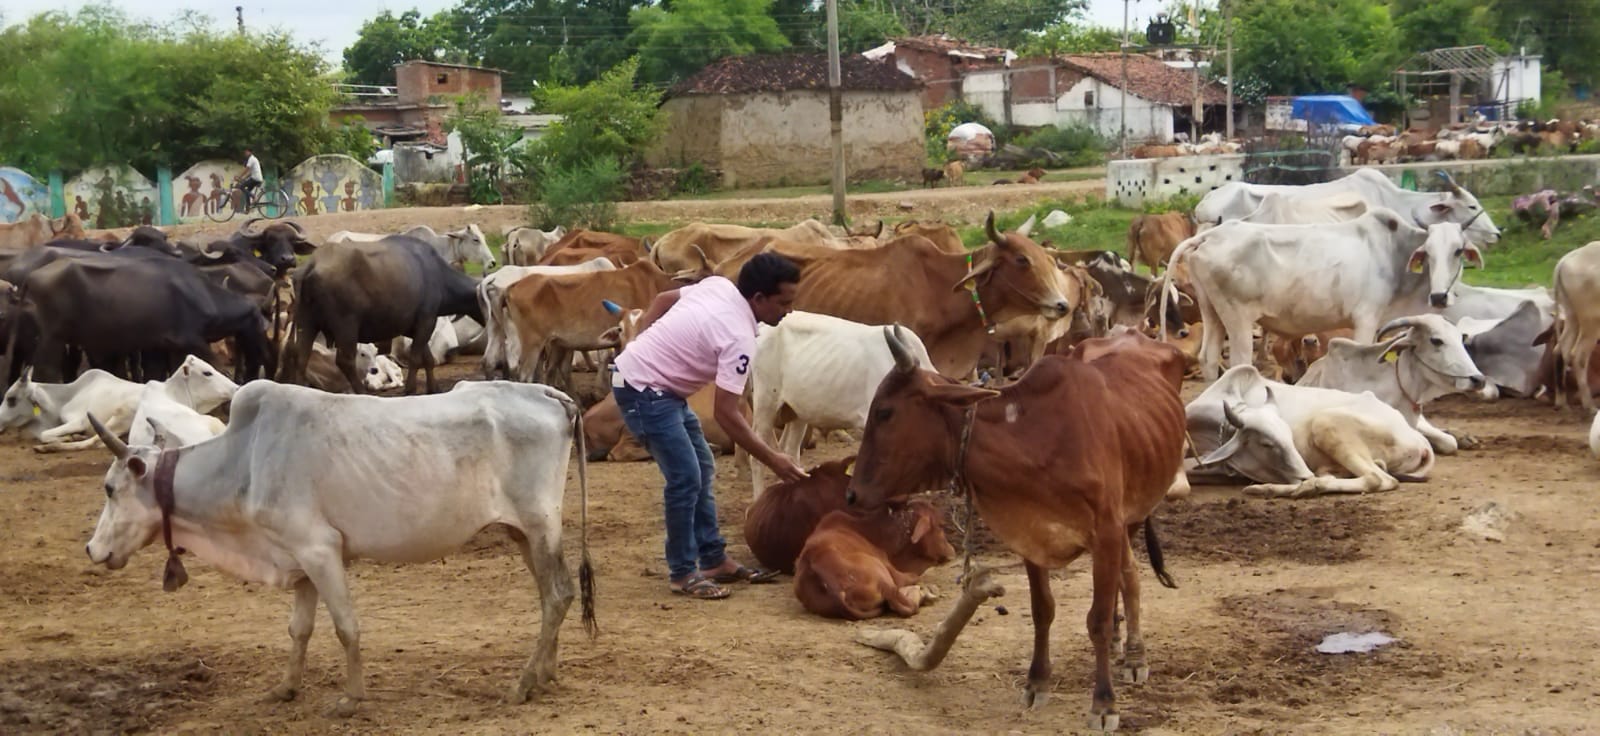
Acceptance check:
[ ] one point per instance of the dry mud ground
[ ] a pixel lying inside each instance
(1495, 638)
(954, 204)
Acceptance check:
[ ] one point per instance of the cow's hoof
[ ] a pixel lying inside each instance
(345, 708)
(282, 694)
(1465, 441)
(1136, 674)
(1034, 697)
(520, 695)
(929, 593)
(1104, 722)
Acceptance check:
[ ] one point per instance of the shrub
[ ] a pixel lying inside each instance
(696, 180)
(579, 196)
(1077, 145)
(354, 141)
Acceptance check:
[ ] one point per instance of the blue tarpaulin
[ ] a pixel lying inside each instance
(1330, 110)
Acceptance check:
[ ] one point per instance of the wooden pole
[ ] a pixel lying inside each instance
(1227, 21)
(1122, 92)
(835, 113)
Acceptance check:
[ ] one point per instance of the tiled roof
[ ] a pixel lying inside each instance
(1147, 78)
(792, 71)
(949, 44)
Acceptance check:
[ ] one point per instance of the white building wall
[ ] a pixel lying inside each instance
(1133, 182)
(1517, 78)
(1146, 121)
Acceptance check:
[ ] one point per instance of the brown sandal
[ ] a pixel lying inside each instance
(700, 586)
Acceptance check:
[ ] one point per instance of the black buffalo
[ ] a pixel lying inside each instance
(375, 292)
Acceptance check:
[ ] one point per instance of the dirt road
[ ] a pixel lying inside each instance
(1493, 637)
(956, 204)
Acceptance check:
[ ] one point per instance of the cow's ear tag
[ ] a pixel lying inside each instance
(1416, 266)
(257, 252)
(37, 411)
(1391, 356)
(850, 469)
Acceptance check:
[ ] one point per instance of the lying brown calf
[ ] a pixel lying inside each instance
(777, 524)
(855, 566)
(608, 438)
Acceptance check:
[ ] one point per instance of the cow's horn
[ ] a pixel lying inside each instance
(879, 233)
(211, 252)
(245, 228)
(988, 228)
(1231, 414)
(903, 362)
(1027, 227)
(295, 226)
(115, 445)
(1394, 325)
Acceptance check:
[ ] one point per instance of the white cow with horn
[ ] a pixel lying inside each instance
(303, 481)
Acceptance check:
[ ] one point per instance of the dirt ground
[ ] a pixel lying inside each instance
(954, 204)
(1494, 638)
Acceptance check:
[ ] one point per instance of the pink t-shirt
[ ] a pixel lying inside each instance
(710, 333)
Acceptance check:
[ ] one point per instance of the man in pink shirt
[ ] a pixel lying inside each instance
(688, 338)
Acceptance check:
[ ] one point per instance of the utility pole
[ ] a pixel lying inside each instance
(238, 11)
(835, 113)
(1198, 111)
(1227, 23)
(1122, 94)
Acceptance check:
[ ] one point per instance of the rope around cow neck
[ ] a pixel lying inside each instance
(972, 288)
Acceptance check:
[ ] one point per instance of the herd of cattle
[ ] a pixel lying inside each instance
(1003, 370)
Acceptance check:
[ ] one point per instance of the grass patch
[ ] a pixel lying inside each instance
(1522, 257)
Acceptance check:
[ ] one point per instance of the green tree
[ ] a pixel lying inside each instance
(677, 42)
(1424, 25)
(99, 88)
(1008, 22)
(1566, 33)
(490, 144)
(541, 42)
(863, 24)
(609, 118)
(1071, 38)
(1307, 46)
(388, 40)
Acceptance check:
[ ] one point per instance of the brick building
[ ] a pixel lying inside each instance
(939, 62)
(415, 108)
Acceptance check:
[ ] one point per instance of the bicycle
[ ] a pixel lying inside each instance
(267, 203)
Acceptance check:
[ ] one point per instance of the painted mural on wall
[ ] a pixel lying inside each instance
(203, 188)
(333, 183)
(112, 196)
(21, 195)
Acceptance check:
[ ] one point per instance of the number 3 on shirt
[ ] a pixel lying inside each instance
(744, 364)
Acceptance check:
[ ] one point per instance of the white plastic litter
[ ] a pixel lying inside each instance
(1345, 642)
(1057, 218)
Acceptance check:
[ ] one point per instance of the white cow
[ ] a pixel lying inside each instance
(1425, 361)
(303, 481)
(502, 348)
(456, 247)
(1277, 434)
(54, 412)
(814, 370)
(1236, 200)
(1594, 437)
(526, 245)
(1300, 279)
(1277, 208)
(1577, 291)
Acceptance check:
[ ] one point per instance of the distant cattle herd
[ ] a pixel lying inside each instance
(1000, 369)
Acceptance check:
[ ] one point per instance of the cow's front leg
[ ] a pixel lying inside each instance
(301, 621)
(1443, 443)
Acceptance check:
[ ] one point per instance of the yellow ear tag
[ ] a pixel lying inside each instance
(37, 411)
(257, 252)
(850, 470)
(1416, 266)
(1391, 356)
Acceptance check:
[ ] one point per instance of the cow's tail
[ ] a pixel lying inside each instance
(1152, 547)
(1166, 281)
(585, 566)
(1134, 229)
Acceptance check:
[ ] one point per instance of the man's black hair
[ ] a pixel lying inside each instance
(766, 273)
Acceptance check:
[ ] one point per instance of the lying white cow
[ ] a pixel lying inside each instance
(1293, 439)
(1301, 279)
(814, 370)
(502, 348)
(456, 247)
(280, 500)
(1236, 200)
(526, 245)
(452, 336)
(54, 412)
(162, 421)
(1425, 361)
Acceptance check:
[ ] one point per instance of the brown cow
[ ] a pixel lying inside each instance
(943, 237)
(856, 565)
(912, 282)
(1550, 365)
(36, 229)
(558, 314)
(1152, 238)
(687, 247)
(954, 172)
(777, 524)
(1058, 464)
(587, 245)
(1155, 151)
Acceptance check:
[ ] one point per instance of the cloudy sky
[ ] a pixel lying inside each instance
(334, 24)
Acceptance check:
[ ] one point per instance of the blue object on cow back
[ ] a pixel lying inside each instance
(611, 306)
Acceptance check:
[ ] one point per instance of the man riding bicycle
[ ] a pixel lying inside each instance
(250, 178)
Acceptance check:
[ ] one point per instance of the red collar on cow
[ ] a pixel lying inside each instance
(1416, 408)
(972, 288)
(174, 576)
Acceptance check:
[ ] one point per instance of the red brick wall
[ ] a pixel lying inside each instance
(936, 71)
(418, 82)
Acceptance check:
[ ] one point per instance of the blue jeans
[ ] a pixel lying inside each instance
(669, 430)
